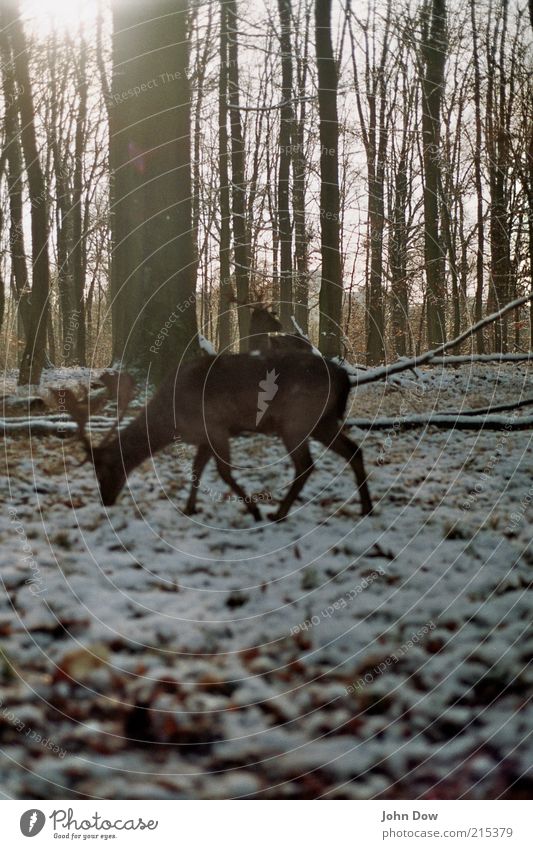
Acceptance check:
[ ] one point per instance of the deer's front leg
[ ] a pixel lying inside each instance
(221, 451)
(200, 462)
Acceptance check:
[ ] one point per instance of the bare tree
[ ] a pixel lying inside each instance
(433, 50)
(285, 157)
(225, 290)
(480, 222)
(238, 179)
(299, 172)
(34, 352)
(78, 236)
(154, 254)
(331, 284)
(13, 156)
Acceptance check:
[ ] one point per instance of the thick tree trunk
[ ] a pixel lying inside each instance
(153, 263)
(299, 170)
(225, 291)
(398, 259)
(285, 151)
(331, 283)
(238, 180)
(434, 49)
(13, 155)
(478, 309)
(63, 212)
(498, 163)
(34, 352)
(78, 237)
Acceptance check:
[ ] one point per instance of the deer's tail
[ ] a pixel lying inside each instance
(343, 387)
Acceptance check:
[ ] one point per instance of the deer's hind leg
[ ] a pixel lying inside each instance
(332, 437)
(221, 451)
(303, 465)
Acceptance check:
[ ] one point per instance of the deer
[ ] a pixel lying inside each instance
(208, 400)
(266, 332)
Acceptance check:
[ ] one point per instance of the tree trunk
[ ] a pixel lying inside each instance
(375, 139)
(224, 305)
(299, 171)
(34, 352)
(13, 154)
(478, 310)
(153, 264)
(434, 48)
(238, 180)
(398, 257)
(331, 283)
(285, 149)
(498, 162)
(78, 237)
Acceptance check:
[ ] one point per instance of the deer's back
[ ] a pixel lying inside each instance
(266, 393)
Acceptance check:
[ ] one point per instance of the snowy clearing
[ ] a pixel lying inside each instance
(146, 654)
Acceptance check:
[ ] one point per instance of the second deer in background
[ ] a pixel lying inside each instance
(266, 333)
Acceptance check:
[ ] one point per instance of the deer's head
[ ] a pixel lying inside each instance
(106, 456)
(263, 317)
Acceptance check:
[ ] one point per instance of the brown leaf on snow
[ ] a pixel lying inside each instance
(77, 665)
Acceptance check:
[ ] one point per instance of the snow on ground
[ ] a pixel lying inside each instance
(145, 654)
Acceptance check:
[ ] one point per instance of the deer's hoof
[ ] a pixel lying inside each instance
(277, 516)
(189, 511)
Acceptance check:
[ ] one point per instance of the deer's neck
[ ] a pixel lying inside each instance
(149, 432)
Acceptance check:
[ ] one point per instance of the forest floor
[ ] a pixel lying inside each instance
(145, 654)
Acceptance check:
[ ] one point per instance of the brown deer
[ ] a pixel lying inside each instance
(208, 400)
(266, 332)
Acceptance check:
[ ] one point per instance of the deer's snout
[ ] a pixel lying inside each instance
(110, 479)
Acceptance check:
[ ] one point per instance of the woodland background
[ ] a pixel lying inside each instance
(366, 167)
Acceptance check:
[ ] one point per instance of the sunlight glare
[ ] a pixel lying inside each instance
(67, 16)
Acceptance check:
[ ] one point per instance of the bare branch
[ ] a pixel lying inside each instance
(384, 372)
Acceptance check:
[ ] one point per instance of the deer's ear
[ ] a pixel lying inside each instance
(66, 400)
(121, 386)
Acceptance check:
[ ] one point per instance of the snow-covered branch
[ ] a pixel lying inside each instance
(462, 359)
(444, 421)
(385, 372)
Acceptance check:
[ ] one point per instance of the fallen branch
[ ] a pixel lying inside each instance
(444, 421)
(385, 372)
(499, 408)
(53, 424)
(459, 359)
